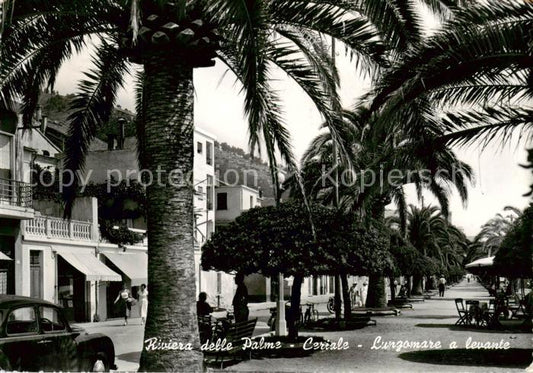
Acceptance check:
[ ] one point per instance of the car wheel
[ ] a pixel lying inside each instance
(100, 363)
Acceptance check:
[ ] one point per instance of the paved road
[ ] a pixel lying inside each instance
(429, 320)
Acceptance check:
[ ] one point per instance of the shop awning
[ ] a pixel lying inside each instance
(90, 266)
(483, 262)
(134, 266)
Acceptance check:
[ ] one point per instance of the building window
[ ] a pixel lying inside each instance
(209, 153)
(36, 274)
(3, 281)
(209, 192)
(222, 201)
(199, 147)
(251, 201)
(5, 156)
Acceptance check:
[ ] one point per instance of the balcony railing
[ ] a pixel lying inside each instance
(49, 227)
(15, 193)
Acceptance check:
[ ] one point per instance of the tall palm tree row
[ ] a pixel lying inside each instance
(470, 81)
(377, 169)
(168, 40)
(435, 238)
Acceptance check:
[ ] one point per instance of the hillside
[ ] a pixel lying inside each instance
(230, 161)
(235, 166)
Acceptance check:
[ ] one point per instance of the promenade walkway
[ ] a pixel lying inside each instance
(432, 321)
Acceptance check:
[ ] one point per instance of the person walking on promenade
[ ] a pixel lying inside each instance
(353, 296)
(364, 292)
(125, 299)
(240, 300)
(442, 285)
(143, 303)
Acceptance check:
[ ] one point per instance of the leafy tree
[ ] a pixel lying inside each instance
(273, 240)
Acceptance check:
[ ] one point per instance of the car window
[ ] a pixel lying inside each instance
(50, 320)
(21, 321)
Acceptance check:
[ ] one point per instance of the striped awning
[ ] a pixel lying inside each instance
(133, 265)
(90, 266)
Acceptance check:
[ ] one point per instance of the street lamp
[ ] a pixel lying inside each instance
(281, 324)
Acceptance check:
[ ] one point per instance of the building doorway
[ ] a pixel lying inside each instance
(72, 291)
(36, 274)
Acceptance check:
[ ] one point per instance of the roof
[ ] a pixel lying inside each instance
(17, 300)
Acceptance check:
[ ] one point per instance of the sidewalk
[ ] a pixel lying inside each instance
(465, 290)
(431, 320)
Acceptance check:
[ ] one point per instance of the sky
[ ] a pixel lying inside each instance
(500, 181)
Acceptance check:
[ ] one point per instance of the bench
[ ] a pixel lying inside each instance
(234, 334)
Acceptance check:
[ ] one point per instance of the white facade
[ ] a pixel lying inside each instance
(232, 201)
(219, 286)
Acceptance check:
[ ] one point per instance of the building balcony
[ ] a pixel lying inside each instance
(46, 227)
(15, 199)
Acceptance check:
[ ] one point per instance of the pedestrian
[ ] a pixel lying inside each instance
(125, 299)
(442, 285)
(403, 292)
(202, 307)
(353, 297)
(240, 300)
(143, 303)
(364, 292)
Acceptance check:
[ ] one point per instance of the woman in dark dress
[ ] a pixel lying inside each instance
(240, 300)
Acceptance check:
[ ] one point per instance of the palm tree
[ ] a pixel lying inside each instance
(493, 232)
(427, 231)
(372, 153)
(477, 70)
(169, 40)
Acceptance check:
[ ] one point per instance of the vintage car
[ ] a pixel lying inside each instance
(35, 336)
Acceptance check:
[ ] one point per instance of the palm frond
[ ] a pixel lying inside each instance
(488, 125)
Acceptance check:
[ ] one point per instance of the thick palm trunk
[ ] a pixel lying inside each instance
(376, 297)
(168, 126)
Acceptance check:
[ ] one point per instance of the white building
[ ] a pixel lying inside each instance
(232, 201)
(218, 286)
(43, 255)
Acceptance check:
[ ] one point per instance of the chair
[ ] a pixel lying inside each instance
(516, 306)
(474, 311)
(462, 311)
(236, 334)
(205, 327)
